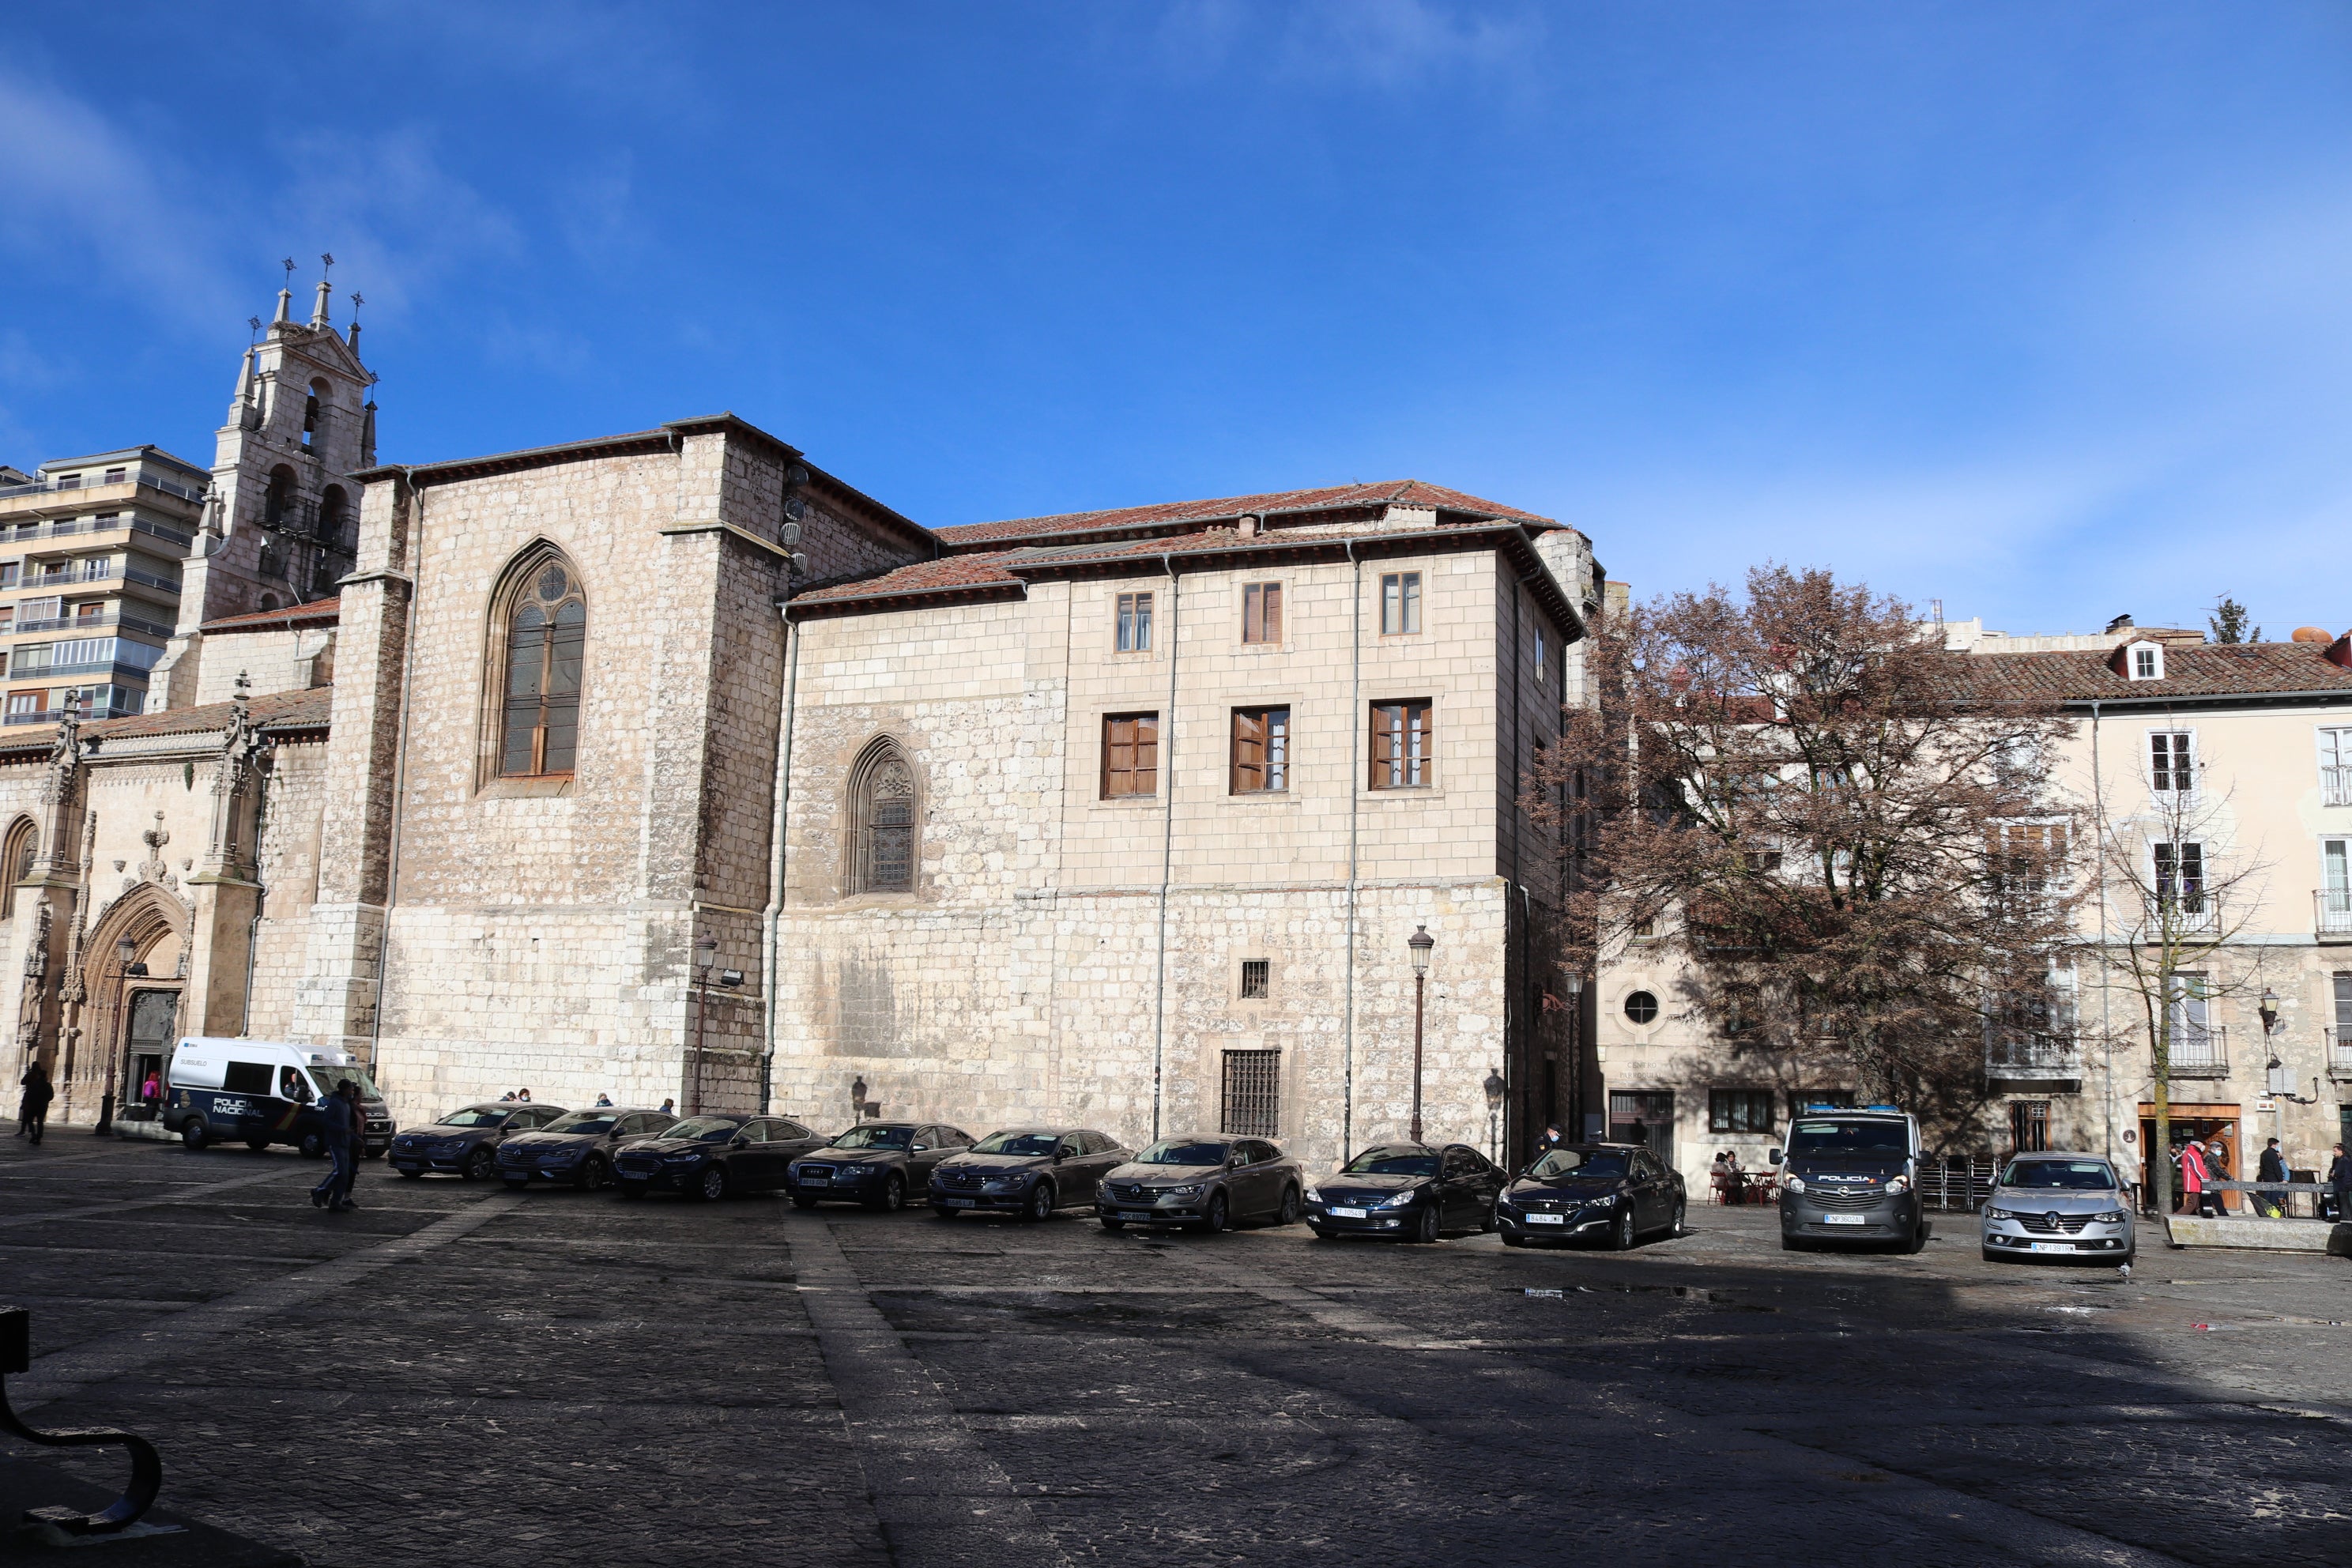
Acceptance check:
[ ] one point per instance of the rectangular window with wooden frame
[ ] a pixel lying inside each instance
(2171, 761)
(1130, 755)
(1403, 745)
(1400, 604)
(1261, 750)
(1134, 622)
(1262, 613)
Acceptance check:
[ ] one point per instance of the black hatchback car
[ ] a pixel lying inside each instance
(709, 1157)
(1615, 1193)
(576, 1147)
(1202, 1184)
(465, 1142)
(1411, 1191)
(1030, 1172)
(876, 1164)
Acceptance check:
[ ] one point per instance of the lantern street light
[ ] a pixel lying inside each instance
(1420, 943)
(706, 953)
(1575, 1058)
(1496, 1090)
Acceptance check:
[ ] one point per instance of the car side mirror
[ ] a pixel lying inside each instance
(1774, 1157)
(1060, 1155)
(922, 1149)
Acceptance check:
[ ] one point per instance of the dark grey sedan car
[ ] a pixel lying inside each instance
(1028, 1171)
(876, 1164)
(1202, 1184)
(1407, 1191)
(465, 1142)
(577, 1149)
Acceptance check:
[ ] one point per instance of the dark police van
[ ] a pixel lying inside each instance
(1851, 1175)
(259, 1092)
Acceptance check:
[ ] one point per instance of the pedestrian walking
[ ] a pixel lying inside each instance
(2339, 1178)
(1552, 1138)
(353, 1139)
(669, 1108)
(2272, 1169)
(338, 1112)
(603, 1099)
(33, 1106)
(2192, 1179)
(2217, 1169)
(524, 1094)
(152, 1089)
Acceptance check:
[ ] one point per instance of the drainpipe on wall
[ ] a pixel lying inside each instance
(774, 911)
(1355, 782)
(2106, 1018)
(1167, 841)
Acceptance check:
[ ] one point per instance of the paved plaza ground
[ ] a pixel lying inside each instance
(455, 1374)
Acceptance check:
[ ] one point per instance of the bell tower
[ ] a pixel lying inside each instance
(281, 525)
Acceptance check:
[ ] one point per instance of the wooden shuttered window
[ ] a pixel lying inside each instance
(1130, 755)
(1261, 749)
(1261, 611)
(1403, 745)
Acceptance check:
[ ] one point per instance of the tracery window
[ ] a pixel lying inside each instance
(882, 803)
(17, 862)
(546, 625)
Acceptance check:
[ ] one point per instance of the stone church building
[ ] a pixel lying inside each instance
(669, 765)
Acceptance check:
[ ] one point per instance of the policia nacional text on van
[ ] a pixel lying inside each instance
(259, 1092)
(1851, 1176)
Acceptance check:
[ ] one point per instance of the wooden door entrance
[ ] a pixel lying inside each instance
(154, 1015)
(2206, 1124)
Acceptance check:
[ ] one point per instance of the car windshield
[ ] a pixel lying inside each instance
(1580, 1163)
(876, 1137)
(1177, 1151)
(1891, 1139)
(703, 1129)
(2061, 1175)
(1405, 1160)
(330, 1079)
(476, 1116)
(596, 1121)
(1018, 1144)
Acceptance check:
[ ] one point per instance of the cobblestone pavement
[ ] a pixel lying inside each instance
(455, 1374)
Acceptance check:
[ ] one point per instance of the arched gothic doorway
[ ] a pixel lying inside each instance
(133, 970)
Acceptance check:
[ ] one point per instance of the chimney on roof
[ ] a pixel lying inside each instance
(1248, 525)
(2339, 652)
(2121, 623)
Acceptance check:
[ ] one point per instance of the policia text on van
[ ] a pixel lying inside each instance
(259, 1092)
(1851, 1176)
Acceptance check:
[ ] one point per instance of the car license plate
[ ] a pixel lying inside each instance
(817, 1181)
(1845, 1219)
(959, 1203)
(634, 1175)
(1547, 1219)
(1348, 1214)
(2051, 1246)
(1138, 1214)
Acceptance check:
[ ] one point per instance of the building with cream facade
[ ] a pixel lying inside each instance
(2233, 763)
(1123, 818)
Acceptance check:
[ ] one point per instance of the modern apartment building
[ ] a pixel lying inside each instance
(90, 554)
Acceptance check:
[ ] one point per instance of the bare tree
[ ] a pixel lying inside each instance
(2178, 893)
(1800, 795)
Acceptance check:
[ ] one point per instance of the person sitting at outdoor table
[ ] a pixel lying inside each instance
(1719, 1175)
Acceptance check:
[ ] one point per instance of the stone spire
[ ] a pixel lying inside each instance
(353, 338)
(285, 309)
(326, 295)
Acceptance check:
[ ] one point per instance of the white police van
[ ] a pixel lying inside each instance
(259, 1092)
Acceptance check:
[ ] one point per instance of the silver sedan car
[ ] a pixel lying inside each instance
(2059, 1204)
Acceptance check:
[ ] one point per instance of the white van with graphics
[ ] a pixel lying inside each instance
(259, 1092)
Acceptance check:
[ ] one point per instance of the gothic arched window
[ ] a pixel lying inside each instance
(278, 501)
(882, 806)
(545, 617)
(17, 862)
(335, 517)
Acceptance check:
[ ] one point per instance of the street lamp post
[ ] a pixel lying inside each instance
(1420, 943)
(706, 953)
(1496, 1090)
(1576, 1111)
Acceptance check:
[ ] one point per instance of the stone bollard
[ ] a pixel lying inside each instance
(146, 1468)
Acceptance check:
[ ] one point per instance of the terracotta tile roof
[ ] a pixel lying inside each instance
(273, 710)
(2214, 669)
(944, 575)
(317, 612)
(1331, 498)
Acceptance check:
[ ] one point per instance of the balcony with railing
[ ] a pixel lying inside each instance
(2335, 785)
(2331, 914)
(2199, 1050)
(106, 620)
(2033, 1056)
(77, 485)
(88, 715)
(2339, 1052)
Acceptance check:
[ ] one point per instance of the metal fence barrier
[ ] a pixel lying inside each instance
(1956, 1184)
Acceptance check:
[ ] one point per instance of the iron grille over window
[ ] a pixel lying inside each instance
(1253, 1104)
(2028, 1126)
(1255, 975)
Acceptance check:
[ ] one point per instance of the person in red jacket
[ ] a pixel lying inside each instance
(2193, 1177)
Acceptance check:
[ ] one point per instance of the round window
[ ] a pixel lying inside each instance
(1641, 1007)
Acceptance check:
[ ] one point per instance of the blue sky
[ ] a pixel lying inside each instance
(2043, 310)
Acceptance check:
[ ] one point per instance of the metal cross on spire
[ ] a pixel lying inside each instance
(329, 262)
(288, 265)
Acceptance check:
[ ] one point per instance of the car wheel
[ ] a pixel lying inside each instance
(1040, 1206)
(595, 1175)
(894, 1194)
(1216, 1219)
(713, 1185)
(801, 1203)
(476, 1167)
(1682, 1213)
(1425, 1229)
(1917, 1242)
(412, 1175)
(1486, 1220)
(1291, 1207)
(1621, 1238)
(314, 1145)
(1114, 1225)
(195, 1134)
